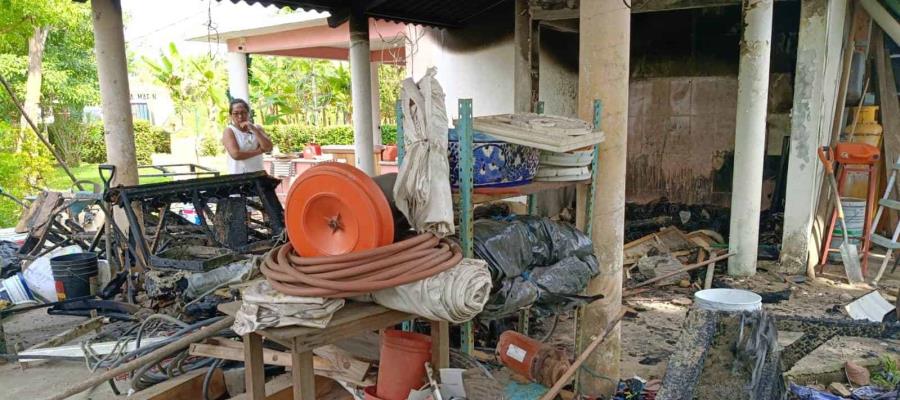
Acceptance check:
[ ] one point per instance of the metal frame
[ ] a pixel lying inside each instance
(466, 191)
(193, 170)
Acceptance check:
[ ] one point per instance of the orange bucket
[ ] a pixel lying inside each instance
(402, 365)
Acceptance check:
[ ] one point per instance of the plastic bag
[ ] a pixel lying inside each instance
(534, 262)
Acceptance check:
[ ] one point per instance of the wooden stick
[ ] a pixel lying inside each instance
(59, 159)
(154, 356)
(567, 376)
(685, 269)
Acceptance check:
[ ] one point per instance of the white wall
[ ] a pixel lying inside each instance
(483, 74)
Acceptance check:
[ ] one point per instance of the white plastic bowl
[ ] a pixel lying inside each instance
(728, 300)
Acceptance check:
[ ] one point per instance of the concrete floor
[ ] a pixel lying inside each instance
(46, 379)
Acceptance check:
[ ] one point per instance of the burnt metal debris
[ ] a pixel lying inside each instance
(179, 244)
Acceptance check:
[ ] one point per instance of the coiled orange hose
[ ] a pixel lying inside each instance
(355, 274)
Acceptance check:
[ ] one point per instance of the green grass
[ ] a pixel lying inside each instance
(89, 172)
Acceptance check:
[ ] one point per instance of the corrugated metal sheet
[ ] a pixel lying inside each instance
(438, 13)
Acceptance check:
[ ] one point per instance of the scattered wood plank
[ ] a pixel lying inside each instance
(154, 356)
(280, 388)
(185, 387)
(685, 269)
(667, 240)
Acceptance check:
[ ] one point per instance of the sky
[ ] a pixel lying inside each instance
(150, 25)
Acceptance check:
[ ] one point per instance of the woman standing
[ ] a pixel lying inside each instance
(244, 141)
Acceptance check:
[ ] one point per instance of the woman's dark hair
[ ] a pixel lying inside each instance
(237, 101)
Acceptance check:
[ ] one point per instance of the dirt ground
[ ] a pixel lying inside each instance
(649, 336)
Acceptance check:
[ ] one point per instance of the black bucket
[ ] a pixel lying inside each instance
(75, 275)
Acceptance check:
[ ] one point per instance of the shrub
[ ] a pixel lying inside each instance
(68, 136)
(148, 139)
(293, 138)
(210, 146)
(389, 134)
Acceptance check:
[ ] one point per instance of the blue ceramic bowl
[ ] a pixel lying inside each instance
(496, 163)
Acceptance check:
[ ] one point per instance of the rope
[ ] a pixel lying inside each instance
(359, 273)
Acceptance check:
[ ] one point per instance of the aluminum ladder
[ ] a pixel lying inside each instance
(891, 243)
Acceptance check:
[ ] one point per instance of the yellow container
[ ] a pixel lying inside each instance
(868, 130)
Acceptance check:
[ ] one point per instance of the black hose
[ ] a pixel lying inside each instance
(209, 373)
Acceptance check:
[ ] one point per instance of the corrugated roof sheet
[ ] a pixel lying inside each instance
(438, 13)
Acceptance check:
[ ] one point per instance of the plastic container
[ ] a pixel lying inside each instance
(727, 300)
(389, 153)
(518, 352)
(402, 365)
(39, 276)
(76, 275)
(15, 290)
(371, 393)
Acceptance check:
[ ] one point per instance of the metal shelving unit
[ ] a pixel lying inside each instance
(467, 196)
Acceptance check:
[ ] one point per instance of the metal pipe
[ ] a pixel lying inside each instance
(750, 136)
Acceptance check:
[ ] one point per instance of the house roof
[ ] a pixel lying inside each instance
(438, 13)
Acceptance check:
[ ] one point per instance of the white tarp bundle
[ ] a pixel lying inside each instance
(456, 295)
(422, 192)
(264, 307)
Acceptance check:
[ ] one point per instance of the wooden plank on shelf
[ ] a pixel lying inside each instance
(354, 318)
(185, 387)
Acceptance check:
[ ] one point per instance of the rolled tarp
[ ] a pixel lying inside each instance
(456, 295)
(422, 191)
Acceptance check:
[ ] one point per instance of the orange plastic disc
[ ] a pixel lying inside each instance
(334, 209)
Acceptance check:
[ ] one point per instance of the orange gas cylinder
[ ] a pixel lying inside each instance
(334, 208)
(518, 352)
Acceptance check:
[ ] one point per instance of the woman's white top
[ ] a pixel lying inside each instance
(246, 141)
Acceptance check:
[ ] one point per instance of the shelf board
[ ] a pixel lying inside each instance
(486, 195)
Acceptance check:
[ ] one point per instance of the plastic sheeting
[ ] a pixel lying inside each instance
(264, 307)
(422, 192)
(534, 262)
(456, 295)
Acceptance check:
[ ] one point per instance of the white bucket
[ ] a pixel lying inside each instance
(727, 300)
(855, 218)
(15, 290)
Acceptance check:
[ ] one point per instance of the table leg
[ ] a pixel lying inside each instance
(440, 344)
(254, 374)
(304, 378)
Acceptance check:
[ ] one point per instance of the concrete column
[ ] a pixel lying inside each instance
(750, 136)
(112, 71)
(238, 80)
(804, 170)
(605, 36)
(819, 58)
(361, 91)
(522, 58)
(376, 104)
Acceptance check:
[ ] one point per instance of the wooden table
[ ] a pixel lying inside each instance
(355, 318)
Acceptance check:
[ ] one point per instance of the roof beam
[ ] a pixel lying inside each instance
(637, 6)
